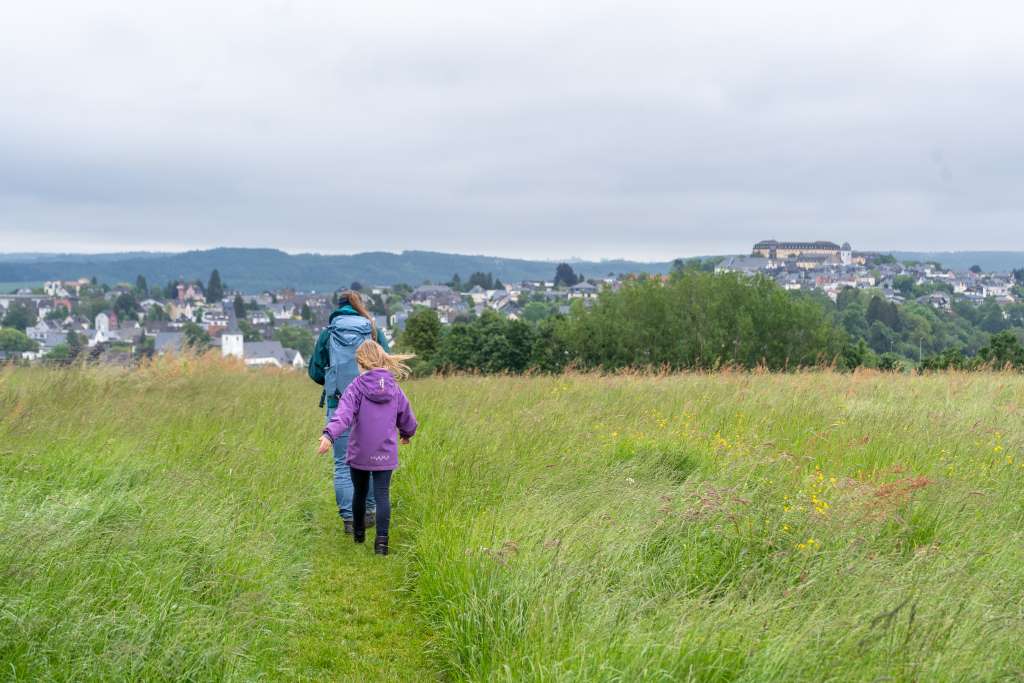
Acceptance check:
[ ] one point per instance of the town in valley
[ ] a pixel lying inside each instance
(119, 323)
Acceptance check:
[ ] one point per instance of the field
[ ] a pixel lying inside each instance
(175, 523)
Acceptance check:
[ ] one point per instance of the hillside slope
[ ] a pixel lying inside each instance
(256, 269)
(999, 261)
(721, 527)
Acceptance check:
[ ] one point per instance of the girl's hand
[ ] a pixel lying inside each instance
(325, 445)
(404, 440)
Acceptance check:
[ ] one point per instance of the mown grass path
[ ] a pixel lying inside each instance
(176, 524)
(362, 626)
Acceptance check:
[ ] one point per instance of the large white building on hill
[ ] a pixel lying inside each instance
(780, 251)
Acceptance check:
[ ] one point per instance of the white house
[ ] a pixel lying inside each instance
(272, 353)
(582, 290)
(865, 281)
(56, 288)
(281, 311)
(215, 319)
(260, 353)
(478, 294)
(42, 328)
(102, 327)
(995, 290)
(177, 312)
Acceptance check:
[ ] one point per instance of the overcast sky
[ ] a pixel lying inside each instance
(539, 129)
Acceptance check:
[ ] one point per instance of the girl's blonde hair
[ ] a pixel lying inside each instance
(370, 355)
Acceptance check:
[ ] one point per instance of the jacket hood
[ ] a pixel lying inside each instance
(344, 309)
(377, 385)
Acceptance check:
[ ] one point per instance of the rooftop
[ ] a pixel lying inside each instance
(819, 244)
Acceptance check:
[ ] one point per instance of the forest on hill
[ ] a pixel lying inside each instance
(255, 270)
(989, 261)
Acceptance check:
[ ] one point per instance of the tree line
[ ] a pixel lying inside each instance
(884, 334)
(696, 320)
(699, 320)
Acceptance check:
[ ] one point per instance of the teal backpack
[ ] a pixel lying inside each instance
(347, 332)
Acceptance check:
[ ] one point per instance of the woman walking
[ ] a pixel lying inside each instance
(333, 365)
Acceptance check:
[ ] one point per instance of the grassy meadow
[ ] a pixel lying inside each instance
(174, 522)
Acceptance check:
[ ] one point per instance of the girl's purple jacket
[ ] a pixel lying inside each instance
(377, 411)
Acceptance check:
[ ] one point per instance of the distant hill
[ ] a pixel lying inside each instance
(252, 270)
(962, 260)
(30, 257)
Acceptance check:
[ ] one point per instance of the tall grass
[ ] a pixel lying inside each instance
(722, 527)
(154, 523)
(163, 523)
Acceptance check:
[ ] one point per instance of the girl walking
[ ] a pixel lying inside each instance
(379, 416)
(333, 365)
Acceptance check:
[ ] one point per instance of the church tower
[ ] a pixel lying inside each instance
(232, 344)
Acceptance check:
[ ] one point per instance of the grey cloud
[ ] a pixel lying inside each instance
(588, 128)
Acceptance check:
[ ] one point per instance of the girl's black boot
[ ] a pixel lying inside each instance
(359, 535)
(380, 546)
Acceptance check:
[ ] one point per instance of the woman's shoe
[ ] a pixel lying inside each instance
(359, 536)
(380, 546)
(348, 525)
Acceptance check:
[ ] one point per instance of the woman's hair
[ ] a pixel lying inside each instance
(370, 355)
(355, 300)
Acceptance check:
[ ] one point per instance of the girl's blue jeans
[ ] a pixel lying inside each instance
(343, 489)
